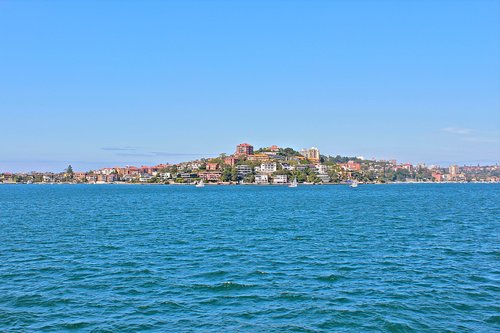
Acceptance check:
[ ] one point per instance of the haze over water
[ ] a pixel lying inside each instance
(395, 258)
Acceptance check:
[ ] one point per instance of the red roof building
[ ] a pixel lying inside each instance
(353, 166)
(244, 149)
(230, 160)
(437, 176)
(212, 166)
(274, 149)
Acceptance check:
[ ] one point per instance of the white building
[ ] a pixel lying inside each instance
(166, 175)
(453, 169)
(321, 168)
(280, 179)
(47, 179)
(324, 177)
(105, 171)
(244, 170)
(145, 177)
(195, 165)
(261, 179)
(268, 167)
(287, 166)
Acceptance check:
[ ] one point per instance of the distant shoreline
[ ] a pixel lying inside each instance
(253, 184)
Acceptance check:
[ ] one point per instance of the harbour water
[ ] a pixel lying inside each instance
(377, 258)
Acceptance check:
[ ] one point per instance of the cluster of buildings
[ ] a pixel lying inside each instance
(468, 174)
(270, 165)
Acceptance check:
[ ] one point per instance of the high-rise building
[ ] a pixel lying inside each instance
(311, 153)
(244, 149)
(453, 170)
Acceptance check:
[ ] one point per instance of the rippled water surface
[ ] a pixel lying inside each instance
(390, 258)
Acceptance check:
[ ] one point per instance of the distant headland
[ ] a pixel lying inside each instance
(268, 165)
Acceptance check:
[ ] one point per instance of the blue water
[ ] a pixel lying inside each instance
(379, 258)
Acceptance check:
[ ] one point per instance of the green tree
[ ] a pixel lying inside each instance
(234, 174)
(301, 176)
(226, 175)
(68, 175)
(289, 152)
(250, 178)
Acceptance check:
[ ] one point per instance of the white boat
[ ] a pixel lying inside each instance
(294, 183)
(200, 184)
(354, 184)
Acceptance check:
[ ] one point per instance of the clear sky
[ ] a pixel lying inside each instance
(109, 83)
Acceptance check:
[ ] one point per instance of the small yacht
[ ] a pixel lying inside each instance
(200, 184)
(294, 183)
(354, 184)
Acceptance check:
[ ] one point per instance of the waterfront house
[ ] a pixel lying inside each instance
(111, 178)
(145, 177)
(166, 175)
(128, 178)
(210, 176)
(79, 176)
(324, 177)
(437, 176)
(48, 178)
(261, 179)
(8, 178)
(188, 175)
(280, 179)
(91, 178)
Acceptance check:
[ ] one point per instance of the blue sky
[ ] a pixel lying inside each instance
(142, 82)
